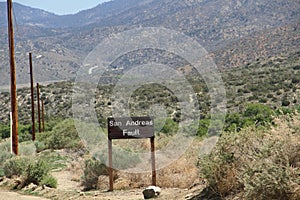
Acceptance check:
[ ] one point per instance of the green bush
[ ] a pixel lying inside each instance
(36, 172)
(259, 114)
(170, 127)
(5, 152)
(266, 181)
(15, 166)
(4, 131)
(2, 172)
(31, 171)
(49, 181)
(255, 163)
(39, 145)
(255, 114)
(92, 170)
(285, 102)
(63, 135)
(54, 159)
(203, 127)
(27, 148)
(233, 122)
(24, 132)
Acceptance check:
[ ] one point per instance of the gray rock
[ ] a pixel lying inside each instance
(151, 192)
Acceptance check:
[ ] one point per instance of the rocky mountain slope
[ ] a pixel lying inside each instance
(235, 32)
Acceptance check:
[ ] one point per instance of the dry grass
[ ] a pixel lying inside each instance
(262, 164)
(182, 173)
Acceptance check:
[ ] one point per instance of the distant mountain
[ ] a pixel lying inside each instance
(235, 32)
(25, 15)
(30, 16)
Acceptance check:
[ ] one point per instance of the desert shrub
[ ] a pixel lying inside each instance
(199, 129)
(255, 114)
(4, 131)
(92, 170)
(285, 102)
(31, 171)
(170, 127)
(266, 181)
(24, 132)
(297, 67)
(15, 166)
(203, 127)
(2, 172)
(297, 108)
(27, 148)
(39, 145)
(233, 122)
(284, 111)
(259, 114)
(63, 135)
(5, 152)
(270, 96)
(54, 159)
(49, 181)
(35, 172)
(255, 162)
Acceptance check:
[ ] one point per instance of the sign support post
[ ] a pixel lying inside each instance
(153, 161)
(110, 167)
(130, 128)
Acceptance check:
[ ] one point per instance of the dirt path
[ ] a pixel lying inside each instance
(6, 195)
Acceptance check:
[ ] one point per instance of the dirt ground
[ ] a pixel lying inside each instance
(8, 195)
(177, 176)
(132, 194)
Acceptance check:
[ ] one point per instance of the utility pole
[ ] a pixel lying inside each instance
(39, 106)
(43, 116)
(32, 97)
(13, 82)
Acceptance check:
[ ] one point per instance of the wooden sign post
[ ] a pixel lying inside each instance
(130, 128)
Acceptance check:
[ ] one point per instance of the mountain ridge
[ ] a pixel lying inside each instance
(231, 30)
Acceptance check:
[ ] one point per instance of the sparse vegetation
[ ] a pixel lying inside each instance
(257, 162)
(63, 135)
(92, 170)
(15, 166)
(31, 171)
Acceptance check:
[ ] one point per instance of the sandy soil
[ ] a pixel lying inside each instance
(7, 195)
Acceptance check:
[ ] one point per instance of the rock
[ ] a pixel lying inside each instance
(151, 192)
(17, 182)
(30, 187)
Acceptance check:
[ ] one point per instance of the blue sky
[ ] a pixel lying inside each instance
(61, 6)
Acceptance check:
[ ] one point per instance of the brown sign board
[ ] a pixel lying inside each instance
(130, 127)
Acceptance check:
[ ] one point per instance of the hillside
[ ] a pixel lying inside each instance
(235, 32)
(274, 81)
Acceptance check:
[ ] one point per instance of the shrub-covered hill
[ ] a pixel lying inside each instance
(274, 81)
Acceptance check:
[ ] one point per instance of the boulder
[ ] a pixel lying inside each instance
(151, 192)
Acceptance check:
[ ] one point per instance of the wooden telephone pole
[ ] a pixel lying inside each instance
(39, 106)
(43, 116)
(13, 82)
(32, 97)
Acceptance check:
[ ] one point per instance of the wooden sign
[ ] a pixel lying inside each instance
(130, 128)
